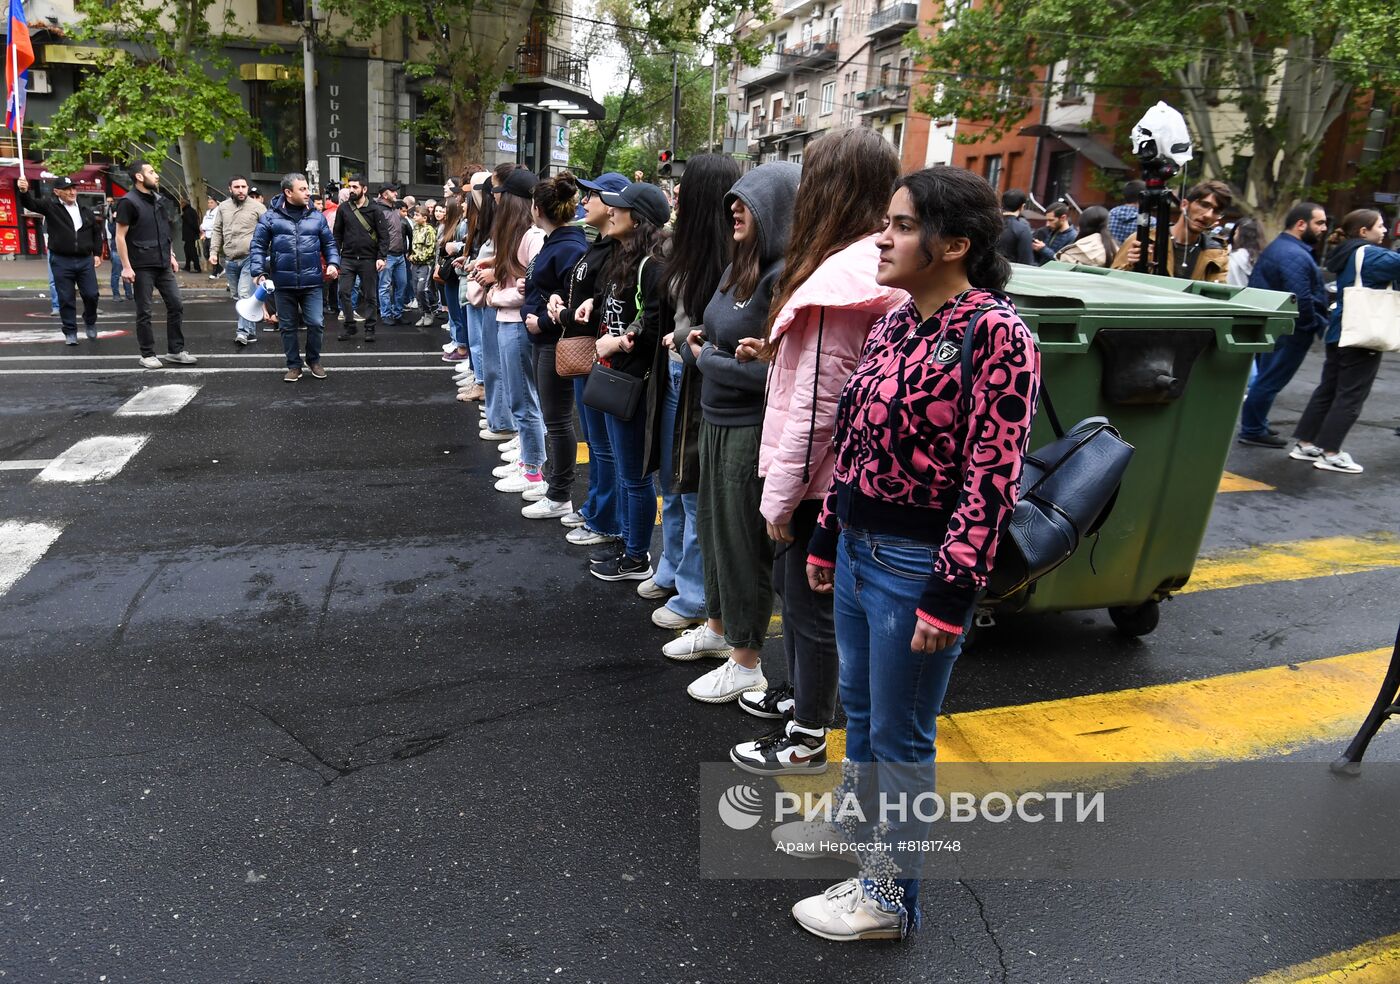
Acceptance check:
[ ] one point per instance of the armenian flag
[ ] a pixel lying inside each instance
(19, 55)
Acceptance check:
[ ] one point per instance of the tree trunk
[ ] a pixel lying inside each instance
(467, 145)
(194, 173)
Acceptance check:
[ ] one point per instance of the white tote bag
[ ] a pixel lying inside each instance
(1370, 317)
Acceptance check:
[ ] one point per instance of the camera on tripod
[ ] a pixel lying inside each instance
(1162, 144)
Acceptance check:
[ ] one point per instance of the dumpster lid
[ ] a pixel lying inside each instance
(1069, 288)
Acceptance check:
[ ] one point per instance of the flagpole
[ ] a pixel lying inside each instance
(15, 97)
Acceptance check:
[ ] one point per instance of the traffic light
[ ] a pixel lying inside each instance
(664, 159)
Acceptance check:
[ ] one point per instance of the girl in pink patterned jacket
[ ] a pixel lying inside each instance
(909, 531)
(824, 306)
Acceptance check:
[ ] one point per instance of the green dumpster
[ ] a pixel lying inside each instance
(1166, 361)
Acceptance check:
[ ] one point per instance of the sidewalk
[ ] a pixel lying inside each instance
(28, 273)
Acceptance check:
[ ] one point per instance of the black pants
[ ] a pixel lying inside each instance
(330, 301)
(557, 407)
(192, 255)
(1347, 375)
(163, 280)
(75, 274)
(809, 625)
(350, 269)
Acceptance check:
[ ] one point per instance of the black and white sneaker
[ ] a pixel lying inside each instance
(776, 702)
(622, 568)
(608, 551)
(790, 750)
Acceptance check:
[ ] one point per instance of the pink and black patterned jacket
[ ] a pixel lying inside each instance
(907, 463)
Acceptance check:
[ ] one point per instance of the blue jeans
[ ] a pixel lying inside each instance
(497, 383)
(456, 317)
(680, 566)
(473, 317)
(603, 507)
(518, 367)
(892, 695)
(628, 440)
(393, 283)
(53, 286)
(1276, 368)
(240, 284)
(117, 285)
(298, 309)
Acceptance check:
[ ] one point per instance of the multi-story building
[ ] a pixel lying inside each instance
(834, 65)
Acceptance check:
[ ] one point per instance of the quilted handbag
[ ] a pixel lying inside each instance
(1068, 488)
(575, 356)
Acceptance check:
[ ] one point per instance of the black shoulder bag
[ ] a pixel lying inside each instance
(611, 390)
(1068, 489)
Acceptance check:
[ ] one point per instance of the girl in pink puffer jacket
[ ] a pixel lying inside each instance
(823, 309)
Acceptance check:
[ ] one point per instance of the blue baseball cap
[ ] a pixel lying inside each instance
(611, 181)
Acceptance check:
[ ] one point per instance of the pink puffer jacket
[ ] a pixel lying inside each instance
(820, 333)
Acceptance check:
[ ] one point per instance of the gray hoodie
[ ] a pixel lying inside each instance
(731, 392)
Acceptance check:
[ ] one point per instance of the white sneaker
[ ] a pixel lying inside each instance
(547, 509)
(652, 591)
(487, 434)
(813, 839)
(1339, 462)
(845, 912)
(574, 520)
(506, 470)
(695, 643)
(513, 444)
(582, 536)
(150, 362)
(664, 618)
(516, 483)
(726, 682)
(512, 455)
(179, 359)
(448, 347)
(1305, 452)
(536, 490)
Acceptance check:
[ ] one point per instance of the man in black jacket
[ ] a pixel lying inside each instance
(362, 234)
(75, 251)
(148, 261)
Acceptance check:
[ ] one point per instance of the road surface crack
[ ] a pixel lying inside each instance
(991, 933)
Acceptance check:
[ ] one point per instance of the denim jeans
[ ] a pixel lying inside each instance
(297, 309)
(74, 277)
(497, 383)
(474, 317)
(240, 284)
(680, 566)
(1276, 368)
(393, 284)
(892, 695)
(53, 287)
(456, 317)
(603, 507)
(628, 439)
(518, 367)
(117, 286)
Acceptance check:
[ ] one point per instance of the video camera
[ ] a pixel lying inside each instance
(1162, 144)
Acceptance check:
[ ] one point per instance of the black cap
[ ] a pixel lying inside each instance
(647, 199)
(62, 183)
(388, 186)
(520, 183)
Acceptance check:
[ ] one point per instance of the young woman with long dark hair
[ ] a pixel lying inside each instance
(564, 245)
(700, 238)
(908, 533)
(497, 424)
(630, 342)
(824, 306)
(462, 248)
(734, 543)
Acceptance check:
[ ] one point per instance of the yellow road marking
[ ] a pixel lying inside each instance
(1294, 561)
(1376, 962)
(582, 453)
(1230, 482)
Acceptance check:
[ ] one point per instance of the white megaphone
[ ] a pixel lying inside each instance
(251, 307)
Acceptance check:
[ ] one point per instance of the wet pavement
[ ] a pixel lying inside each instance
(295, 696)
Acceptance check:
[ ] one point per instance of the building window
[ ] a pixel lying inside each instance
(991, 170)
(903, 71)
(884, 74)
(1071, 86)
(898, 139)
(279, 11)
(281, 114)
(427, 154)
(828, 97)
(799, 105)
(1060, 175)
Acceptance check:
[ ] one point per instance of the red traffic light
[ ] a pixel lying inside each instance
(664, 157)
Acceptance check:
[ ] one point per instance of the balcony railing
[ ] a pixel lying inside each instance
(899, 17)
(884, 98)
(810, 53)
(790, 123)
(544, 61)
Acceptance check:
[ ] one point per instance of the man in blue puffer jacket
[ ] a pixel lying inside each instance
(290, 243)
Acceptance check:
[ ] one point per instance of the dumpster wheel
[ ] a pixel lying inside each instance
(1136, 620)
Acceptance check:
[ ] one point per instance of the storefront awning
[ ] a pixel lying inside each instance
(1082, 144)
(91, 179)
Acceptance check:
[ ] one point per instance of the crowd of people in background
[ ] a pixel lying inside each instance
(1212, 239)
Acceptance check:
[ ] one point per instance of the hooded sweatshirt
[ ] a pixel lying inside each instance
(1380, 268)
(548, 274)
(819, 334)
(731, 392)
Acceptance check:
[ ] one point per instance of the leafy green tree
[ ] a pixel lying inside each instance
(160, 81)
(1257, 79)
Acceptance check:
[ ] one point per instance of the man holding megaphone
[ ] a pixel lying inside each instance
(293, 247)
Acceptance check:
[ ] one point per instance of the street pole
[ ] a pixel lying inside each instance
(308, 78)
(675, 99)
(714, 94)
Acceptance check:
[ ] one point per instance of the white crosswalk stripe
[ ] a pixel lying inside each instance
(94, 459)
(21, 547)
(156, 401)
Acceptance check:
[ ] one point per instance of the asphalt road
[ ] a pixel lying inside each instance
(296, 697)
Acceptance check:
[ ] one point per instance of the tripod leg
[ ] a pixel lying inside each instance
(1350, 761)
